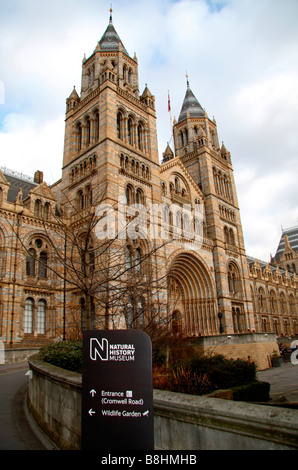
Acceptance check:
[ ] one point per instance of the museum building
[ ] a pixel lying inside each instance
(200, 281)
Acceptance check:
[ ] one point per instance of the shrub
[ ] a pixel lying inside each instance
(223, 372)
(66, 354)
(254, 391)
(184, 380)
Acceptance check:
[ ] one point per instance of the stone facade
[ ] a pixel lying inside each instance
(207, 287)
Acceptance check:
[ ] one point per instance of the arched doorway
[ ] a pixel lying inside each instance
(191, 293)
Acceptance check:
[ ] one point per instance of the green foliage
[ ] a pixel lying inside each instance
(254, 391)
(223, 372)
(200, 375)
(65, 354)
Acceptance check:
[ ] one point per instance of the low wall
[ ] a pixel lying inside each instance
(180, 421)
(255, 347)
(15, 355)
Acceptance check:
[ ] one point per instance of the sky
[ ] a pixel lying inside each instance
(241, 58)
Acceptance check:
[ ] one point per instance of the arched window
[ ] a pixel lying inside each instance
(80, 200)
(234, 279)
(261, 299)
(96, 134)
(30, 262)
(140, 313)
(186, 223)
(37, 208)
(129, 76)
(119, 125)
(129, 130)
(272, 300)
(46, 212)
(140, 136)
(129, 194)
(88, 131)
(28, 316)
(282, 303)
(140, 199)
(138, 260)
(79, 137)
(88, 197)
(42, 265)
(41, 317)
(128, 258)
(129, 317)
(181, 138)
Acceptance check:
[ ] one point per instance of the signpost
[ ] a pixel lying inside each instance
(117, 396)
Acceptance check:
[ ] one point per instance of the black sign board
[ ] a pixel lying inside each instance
(117, 396)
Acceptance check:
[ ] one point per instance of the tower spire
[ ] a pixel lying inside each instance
(111, 13)
(187, 81)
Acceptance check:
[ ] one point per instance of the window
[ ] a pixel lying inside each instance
(129, 131)
(37, 208)
(30, 262)
(46, 213)
(129, 314)
(234, 279)
(28, 316)
(37, 259)
(79, 137)
(129, 194)
(80, 200)
(119, 124)
(138, 260)
(42, 265)
(97, 126)
(88, 131)
(140, 136)
(41, 317)
(140, 197)
(128, 258)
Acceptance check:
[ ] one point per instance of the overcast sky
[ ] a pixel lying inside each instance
(241, 57)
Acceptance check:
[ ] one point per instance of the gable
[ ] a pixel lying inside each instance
(43, 191)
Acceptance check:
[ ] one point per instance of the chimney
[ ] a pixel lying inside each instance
(38, 177)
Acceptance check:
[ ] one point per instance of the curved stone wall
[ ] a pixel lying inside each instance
(181, 422)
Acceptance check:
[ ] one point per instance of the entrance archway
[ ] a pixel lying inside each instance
(191, 291)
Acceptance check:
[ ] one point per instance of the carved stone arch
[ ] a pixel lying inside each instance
(191, 291)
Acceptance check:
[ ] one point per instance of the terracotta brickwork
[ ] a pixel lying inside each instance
(209, 285)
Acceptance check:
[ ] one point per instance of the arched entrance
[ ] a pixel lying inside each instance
(191, 292)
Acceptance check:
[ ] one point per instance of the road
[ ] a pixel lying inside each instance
(15, 430)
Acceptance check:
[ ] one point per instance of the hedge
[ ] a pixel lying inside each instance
(254, 391)
(65, 354)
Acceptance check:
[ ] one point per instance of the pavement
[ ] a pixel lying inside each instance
(18, 430)
(284, 384)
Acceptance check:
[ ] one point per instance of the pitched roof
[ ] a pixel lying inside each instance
(292, 234)
(191, 105)
(110, 39)
(17, 183)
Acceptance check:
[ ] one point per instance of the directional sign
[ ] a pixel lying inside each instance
(117, 397)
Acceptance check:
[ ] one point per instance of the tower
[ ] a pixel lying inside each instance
(109, 123)
(197, 145)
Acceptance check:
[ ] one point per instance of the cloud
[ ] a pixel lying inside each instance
(242, 61)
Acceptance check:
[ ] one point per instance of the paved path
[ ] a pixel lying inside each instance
(15, 430)
(284, 382)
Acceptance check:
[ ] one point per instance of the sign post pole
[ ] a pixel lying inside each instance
(117, 395)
